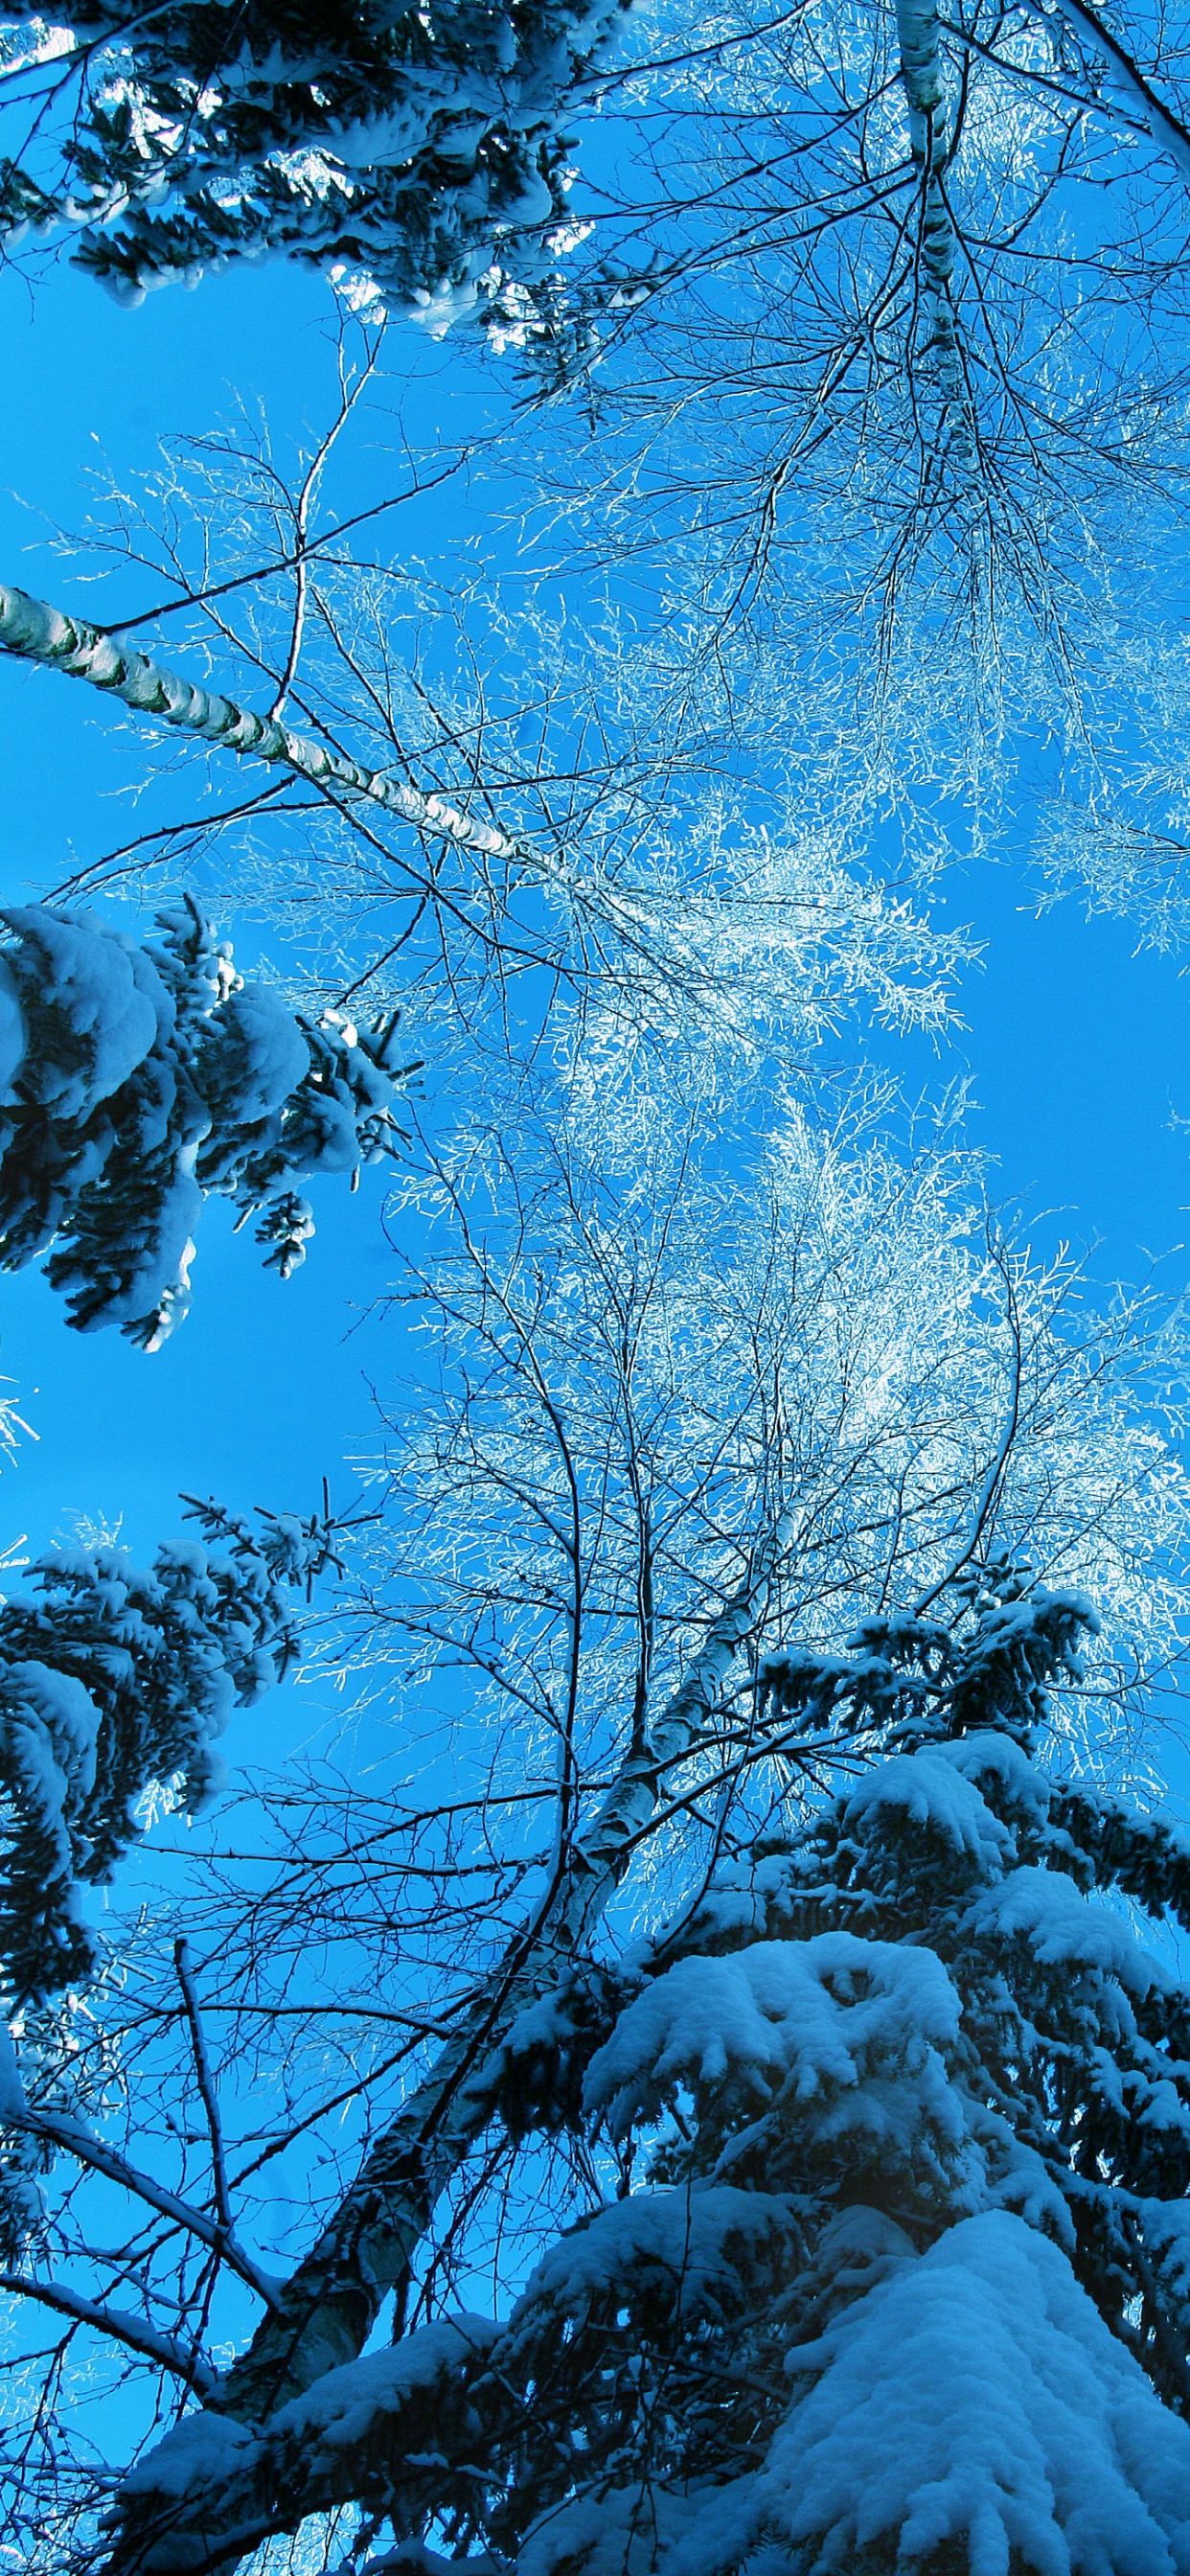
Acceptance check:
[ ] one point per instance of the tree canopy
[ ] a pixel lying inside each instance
(672, 2059)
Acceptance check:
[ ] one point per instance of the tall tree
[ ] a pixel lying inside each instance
(883, 320)
(680, 1420)
(883, 345)
(927, 349)
(896, 2272)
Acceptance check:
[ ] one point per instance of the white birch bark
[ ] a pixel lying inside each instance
(1166, 130)
(325, 2312)
(657, 945)
(39, 633)
(921, 73)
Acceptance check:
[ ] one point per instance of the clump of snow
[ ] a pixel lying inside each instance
(985, 1755)
(1063, 1929)
(344, 2406)
(695, 2246)
(13, 2105)
(924, 1790)
(976, 2395)
(50, 1727)
(452, 300)
(203, 2450)
(853, 2034)
(14, 1035)
(1166, 2226)
(340, 2411)
(629, 2531)
(25, 46)
(1016, 2177)
(99, 998)
(261, 1055)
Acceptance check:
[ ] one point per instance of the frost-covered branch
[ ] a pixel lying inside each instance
(1166, 129)
(119, 2325)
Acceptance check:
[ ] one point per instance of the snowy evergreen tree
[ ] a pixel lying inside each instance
(419, 154)
(136, 1079)
(115, 1680)
(115, 1684)
(890, 2263)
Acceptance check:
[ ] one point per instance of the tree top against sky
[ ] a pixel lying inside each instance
(711, 1949)
(878, 329)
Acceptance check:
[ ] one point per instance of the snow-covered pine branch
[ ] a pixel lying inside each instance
(424, 161)
(138, 1078)
(115, 1685)
(113, 1681)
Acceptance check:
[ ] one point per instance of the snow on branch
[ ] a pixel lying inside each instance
(113, 1680)
(118, 2324)
(136, 1079)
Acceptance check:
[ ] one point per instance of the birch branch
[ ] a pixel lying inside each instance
(36, 632)
(116, 2322)
(1165, 129)
(33, 631)
(690, 947)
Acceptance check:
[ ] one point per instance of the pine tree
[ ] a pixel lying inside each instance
(892, 2264)
(137, 1079)
(116, 1683)
(419, 156)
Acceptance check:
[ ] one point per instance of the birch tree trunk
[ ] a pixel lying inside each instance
(921, 72)
(39, 633)
(325, 2312)
(653, 934)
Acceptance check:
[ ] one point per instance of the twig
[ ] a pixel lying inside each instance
(206, 2084)
(102, 2159)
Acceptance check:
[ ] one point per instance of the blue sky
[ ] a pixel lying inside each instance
(1076, 1045)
